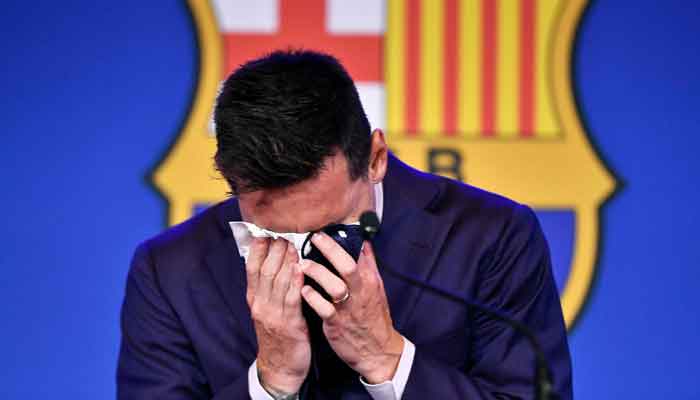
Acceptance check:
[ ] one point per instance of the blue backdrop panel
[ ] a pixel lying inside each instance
(93, 93)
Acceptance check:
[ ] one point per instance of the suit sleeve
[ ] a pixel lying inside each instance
(156, 358)
(516, 278)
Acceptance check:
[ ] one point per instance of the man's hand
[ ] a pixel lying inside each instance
(360, 329)
(274, 297)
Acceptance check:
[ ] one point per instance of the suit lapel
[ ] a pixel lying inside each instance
(410, 236)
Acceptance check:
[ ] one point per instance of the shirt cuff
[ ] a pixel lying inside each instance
(255, 389)
(393, 389)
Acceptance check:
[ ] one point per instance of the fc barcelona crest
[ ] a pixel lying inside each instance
(477, 90)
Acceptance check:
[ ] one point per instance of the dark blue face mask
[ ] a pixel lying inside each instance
(349, 237)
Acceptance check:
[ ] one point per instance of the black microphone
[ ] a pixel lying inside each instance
(369, 224)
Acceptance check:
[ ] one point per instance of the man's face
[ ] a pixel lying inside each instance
(331, 197)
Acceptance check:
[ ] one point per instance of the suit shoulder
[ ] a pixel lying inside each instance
(180, 246)
(467, 200)
(451, 198)
(493, 215)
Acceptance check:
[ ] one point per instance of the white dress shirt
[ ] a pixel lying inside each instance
(244, 232)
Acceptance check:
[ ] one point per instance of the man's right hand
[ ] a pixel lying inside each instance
(274, 297)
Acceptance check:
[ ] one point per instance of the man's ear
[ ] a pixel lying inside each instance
(378, 157)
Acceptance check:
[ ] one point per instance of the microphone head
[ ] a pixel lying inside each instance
(369, 223)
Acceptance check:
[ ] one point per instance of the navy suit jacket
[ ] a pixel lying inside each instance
(187, 331)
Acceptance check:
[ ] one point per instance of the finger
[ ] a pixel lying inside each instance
(367, 265)
(294, 255)
(367, 260)
(330, 282)
(258, 252)
(341, 260)
(284, 276)
(269, 268)
(292, 300)
(323, 307)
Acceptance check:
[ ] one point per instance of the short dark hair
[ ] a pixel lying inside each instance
(280, 116)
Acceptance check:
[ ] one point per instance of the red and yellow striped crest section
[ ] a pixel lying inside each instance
(470, 68)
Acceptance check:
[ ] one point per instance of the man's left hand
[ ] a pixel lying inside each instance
(359, 329)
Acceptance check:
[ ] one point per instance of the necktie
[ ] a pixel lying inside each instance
(330, 377)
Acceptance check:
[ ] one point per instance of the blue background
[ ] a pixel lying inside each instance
(93, 93)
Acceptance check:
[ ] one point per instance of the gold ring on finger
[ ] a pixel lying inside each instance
(344, 299)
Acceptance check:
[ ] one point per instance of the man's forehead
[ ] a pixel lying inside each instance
(306, 191)
(292, 211)
(307, 205)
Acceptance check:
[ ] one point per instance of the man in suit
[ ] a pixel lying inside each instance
(207, 315)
